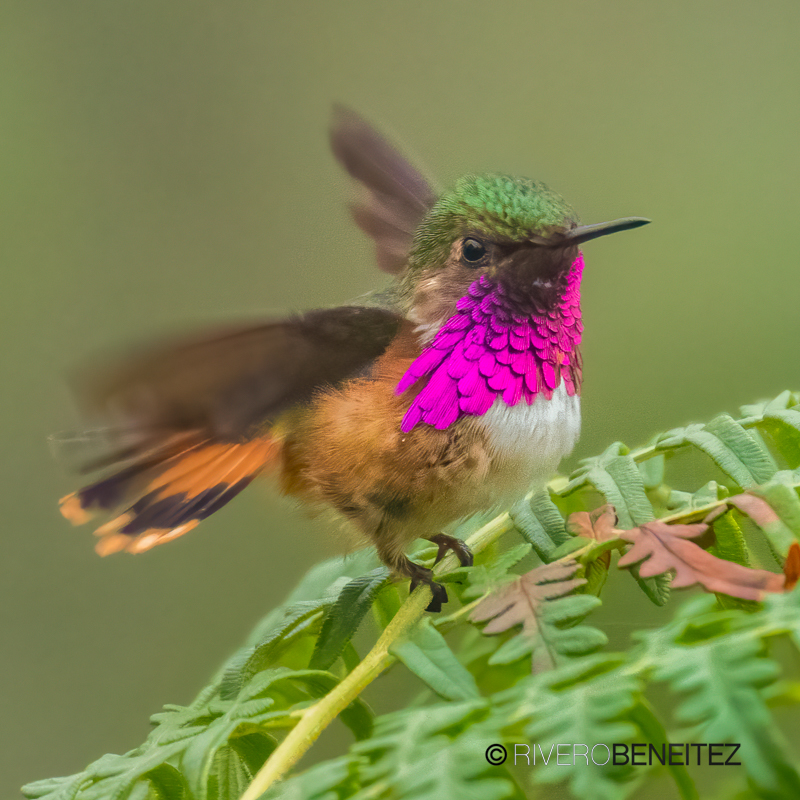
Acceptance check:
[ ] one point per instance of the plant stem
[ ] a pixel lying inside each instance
(316, 718)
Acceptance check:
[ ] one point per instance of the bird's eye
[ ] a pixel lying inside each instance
(472, 251)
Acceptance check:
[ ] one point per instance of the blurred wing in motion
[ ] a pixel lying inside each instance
(188, 425)
(396, 195)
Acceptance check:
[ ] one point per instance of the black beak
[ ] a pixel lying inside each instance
(583, 233)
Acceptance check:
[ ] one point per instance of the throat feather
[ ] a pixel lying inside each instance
(496, 346)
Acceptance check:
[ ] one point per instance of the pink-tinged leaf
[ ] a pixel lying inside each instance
(756, 508)
(521, 600)
(668, 548)
(599, 524)
(719, 511)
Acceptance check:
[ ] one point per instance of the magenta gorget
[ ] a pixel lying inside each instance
(490, 348)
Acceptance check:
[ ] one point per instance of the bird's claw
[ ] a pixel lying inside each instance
(445, 543)
(439, 594)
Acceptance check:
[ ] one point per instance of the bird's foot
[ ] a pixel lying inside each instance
(445, 543)
(422, 575)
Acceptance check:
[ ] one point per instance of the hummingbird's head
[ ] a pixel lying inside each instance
(512, 231)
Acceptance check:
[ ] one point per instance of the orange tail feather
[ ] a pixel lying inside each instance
(163, 497)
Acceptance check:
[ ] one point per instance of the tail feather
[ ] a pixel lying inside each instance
(159, 498)
(109, 492)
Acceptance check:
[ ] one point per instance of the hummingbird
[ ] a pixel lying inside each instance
(451, 392)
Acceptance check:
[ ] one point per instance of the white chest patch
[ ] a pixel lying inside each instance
(532, 439)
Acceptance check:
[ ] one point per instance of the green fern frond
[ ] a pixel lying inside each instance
(719, 658)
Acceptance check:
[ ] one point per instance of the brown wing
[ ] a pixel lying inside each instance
(396, 195)
(188, 422)
(229, 382)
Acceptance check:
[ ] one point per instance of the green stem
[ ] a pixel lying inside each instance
(643, 453)
(316, 718)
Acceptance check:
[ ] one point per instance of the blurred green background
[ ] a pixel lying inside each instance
(165, 164)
